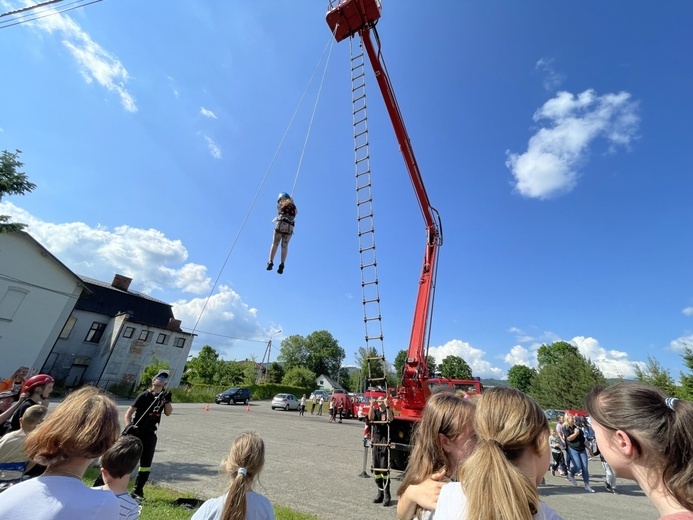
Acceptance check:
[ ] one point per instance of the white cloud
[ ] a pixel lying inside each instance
(155, 263)
(680, 343)
(95, 62)
(519, 355)
(208, 113)
(152, 260)
(612, 363)
(473, 357)
(225, 311)
(214, 148)
(554, 154)
(688, 311)
(552, 79)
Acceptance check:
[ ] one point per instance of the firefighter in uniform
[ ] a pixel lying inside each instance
(377, 415)
(142, 420)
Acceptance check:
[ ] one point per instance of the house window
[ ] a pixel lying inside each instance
(11, 301)
(144, 335)
(95, 332)
(129, 331)
(161, 339)
(69, 324)
(180, 342)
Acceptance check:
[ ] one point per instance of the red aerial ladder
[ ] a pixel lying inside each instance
(347, 18)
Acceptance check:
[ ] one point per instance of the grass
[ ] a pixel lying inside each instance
(160, 503)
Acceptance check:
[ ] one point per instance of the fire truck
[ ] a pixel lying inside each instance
(348, 19)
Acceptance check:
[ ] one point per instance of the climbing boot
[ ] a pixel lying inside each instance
(379, 497)
(386, 497)
(140, 481)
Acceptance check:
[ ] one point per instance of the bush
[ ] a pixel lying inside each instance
(207, 393)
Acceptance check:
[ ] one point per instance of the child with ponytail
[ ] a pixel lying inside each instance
(499, 480)
(244, 463)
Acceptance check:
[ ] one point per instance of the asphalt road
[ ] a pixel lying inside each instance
(312, 466)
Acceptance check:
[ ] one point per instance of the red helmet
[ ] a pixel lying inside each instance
(37, 380)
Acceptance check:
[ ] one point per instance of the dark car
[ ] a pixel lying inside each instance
(233, 395)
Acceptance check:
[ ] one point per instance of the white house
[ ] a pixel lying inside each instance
(327, 383)
(37, 295)
(113, 333)
(77, 329)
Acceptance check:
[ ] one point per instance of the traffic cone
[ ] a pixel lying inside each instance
(207, 408)
(247, 407)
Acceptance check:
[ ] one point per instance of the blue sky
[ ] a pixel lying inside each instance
(554, 139)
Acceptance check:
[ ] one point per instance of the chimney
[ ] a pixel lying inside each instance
(121, 282)
(173, 324)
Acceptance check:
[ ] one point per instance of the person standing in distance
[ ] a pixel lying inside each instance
(378, 417)
(142, 420)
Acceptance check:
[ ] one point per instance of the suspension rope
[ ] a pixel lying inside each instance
(264, 179)
(315, 107)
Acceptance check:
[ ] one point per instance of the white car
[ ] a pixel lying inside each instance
(285, 401)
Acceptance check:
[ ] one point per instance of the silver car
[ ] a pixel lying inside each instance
(285, 401)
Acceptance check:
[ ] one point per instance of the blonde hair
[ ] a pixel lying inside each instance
(445, 413)
(85, 425)
(32, 417)
(248, 453)
(507, 423)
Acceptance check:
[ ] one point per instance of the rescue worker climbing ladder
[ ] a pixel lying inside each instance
(379, 419)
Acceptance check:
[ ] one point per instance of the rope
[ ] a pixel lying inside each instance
(257, 194)
(312, 116)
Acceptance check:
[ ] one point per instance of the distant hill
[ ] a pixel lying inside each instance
(494, 382)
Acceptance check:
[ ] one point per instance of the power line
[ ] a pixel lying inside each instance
(29, 8)
(77, 4)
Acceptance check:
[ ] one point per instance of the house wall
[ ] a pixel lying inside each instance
(116, 358)
(37, 294)
(131, 355)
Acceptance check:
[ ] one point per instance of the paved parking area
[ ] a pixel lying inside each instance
(312, 466)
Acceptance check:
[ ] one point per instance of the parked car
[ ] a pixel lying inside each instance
(233, 395)
(285, 401)
(320, 393)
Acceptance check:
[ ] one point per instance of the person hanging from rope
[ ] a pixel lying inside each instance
(284, 228)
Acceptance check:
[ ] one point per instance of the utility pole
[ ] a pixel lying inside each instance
(267, 354)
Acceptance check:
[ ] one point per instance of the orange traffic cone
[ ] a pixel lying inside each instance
(207, 408)
(247, 407)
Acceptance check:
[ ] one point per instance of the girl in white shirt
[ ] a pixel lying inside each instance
(499, 479)
(244, 463)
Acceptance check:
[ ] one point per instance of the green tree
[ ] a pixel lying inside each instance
(319, 352)
(276, 373)
(152, 369)
(521, 377)
(228, 373)
(12, 182)
(369, 368)
(564, 377)
(203, 369)
(686, 389)
(551, 354)
(454, 367)
(345, 380)
(299, 376)
(655, 374)
(433, 368)
(400, 359)
(325, 356)
(293, 352)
